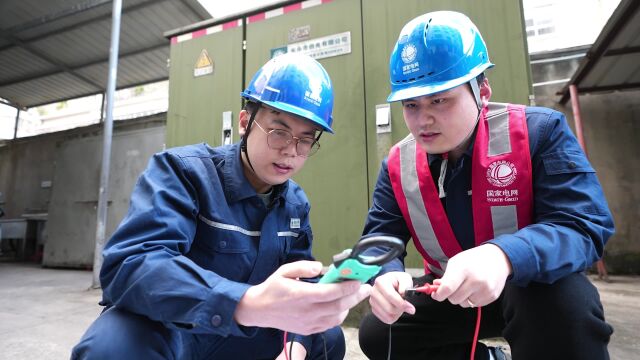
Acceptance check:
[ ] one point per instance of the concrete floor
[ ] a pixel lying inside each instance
(43, 313)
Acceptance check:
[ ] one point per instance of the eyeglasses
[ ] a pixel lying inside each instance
(278, 139)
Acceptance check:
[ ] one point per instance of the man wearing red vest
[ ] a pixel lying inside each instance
(502, 204)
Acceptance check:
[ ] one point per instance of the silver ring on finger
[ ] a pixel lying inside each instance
(471, 304)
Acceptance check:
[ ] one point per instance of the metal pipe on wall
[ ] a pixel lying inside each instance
(577, 119)
(102, 104)
(106, 147)
(15, 129)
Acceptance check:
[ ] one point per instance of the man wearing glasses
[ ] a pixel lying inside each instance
(206, 262)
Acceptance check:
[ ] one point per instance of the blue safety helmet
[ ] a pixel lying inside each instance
(296, 84)
(436, 52)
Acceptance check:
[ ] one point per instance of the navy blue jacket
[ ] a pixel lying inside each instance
(197, 236)
(571, 223)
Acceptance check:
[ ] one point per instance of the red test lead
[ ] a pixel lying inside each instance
(424, 289)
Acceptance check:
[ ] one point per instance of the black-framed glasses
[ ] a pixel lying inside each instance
(278, 139)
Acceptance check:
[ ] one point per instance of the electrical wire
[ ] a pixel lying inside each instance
(287, 354)
(428, 289)
(284, 344)
(476, 333)
(291, 348)
(324, 343)
(389, 352)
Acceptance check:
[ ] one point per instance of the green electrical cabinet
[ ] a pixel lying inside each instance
(205, 80)
(339, 179)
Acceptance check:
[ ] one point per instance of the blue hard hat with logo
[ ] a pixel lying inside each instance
(296, 84)
(436, 52)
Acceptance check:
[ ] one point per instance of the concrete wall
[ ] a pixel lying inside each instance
(24, 167)
(611, 126)
(68, 165)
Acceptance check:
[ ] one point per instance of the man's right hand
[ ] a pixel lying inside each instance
(386, 300)
(285, 303)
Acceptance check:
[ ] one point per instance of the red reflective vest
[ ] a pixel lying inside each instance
(501, 197)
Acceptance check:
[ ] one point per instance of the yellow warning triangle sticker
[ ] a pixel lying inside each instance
(203, 60)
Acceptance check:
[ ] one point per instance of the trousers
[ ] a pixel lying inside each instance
(563, 320)
(119, 334)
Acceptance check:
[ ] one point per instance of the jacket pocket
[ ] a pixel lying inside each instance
(224, 238)
(286, 239)
(224, 249)
(566, 162)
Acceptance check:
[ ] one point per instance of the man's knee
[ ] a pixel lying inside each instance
(118, 334)
(567, 314)
(373, 337)
(330, 342)
(569, 299)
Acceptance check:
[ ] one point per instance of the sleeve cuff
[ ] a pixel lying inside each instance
(522, 259)
(393, 265)
(217, 314)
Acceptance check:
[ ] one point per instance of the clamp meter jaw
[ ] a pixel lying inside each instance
(350, 269)
(351, 265)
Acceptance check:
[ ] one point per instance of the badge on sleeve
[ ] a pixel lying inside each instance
(294, 223)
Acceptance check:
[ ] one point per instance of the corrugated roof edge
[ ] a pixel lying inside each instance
(618, 20)
(212, 22)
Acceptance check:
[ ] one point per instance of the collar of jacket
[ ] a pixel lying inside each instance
(467, 153)
(236, 185)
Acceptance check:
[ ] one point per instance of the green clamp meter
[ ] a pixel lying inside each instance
(352, 265)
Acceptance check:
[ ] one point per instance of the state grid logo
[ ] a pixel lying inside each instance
(501, 173)
(408, 53)
(314, 93)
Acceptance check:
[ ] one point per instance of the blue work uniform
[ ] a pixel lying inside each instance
(196, 237)
(548, 308)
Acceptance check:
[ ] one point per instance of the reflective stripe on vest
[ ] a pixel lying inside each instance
(501, 183)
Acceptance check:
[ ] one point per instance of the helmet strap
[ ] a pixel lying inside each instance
(243, 145)
(475, 89)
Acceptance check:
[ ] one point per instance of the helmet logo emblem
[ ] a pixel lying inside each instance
(313, 95)
(501, 173)
(409, 53)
